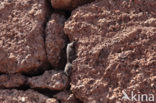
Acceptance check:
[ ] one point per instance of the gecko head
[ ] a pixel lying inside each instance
(72, 44)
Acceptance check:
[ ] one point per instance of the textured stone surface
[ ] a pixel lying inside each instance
(21, 31)
(116, 49)
(55, 38)
(29, 96)
(11, 80)
(66, 97)
(52, 80)
(68, 4)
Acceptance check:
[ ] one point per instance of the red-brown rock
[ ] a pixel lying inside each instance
(55, 38)
(52, 80)
(29, 96)
(68, 4)
(12, 80)
(116, 49)
(66, 97)
(21, 35)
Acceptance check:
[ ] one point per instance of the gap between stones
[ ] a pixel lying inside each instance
(46, 65)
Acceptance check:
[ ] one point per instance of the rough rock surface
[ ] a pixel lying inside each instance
(29, 96)
(55, 38)
(68, 4)
(66, 97)
(52, 80)
(116, 49)
(21, 31)
(12, 80)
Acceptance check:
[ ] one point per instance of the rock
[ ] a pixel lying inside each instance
(12, 80)
(52, 80)
(29, 96)
(68, 4)
(55, 38)
(150, 22)
(21, 35)
(66, 97)
(115, 49)
(51, 100)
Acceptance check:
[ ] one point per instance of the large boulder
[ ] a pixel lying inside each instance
(21, 35)
(115, 48)
(68, 4)
(52, 80)
(29, 96)
(55, 38)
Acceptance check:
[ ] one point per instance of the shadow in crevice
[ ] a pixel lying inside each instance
(79, 101)
(2, 73)
(59, 101)
(38, 71)
(23, 87)
(68, 14)
(46, 65)
(47, 92)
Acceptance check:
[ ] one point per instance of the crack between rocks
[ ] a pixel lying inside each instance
(47, 18)
(46, 65)
(47, 92)
(39, 71)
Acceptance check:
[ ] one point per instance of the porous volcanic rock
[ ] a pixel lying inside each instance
(116, 49)
(12, 80)
(55, 38)
(29, 96)
(68, 4)
(21, 35)
(52, 80)
(66, 97)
